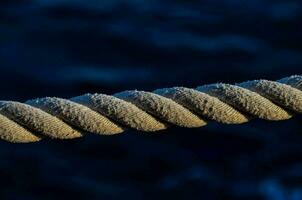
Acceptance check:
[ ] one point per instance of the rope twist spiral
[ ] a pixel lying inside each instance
(150, 111)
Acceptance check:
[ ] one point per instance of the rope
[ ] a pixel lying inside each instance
(149, 111)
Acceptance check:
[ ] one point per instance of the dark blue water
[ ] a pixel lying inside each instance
(66, 48)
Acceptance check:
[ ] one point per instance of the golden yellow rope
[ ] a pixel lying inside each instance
(149, 111)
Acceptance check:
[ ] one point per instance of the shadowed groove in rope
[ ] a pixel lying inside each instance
(149, 111)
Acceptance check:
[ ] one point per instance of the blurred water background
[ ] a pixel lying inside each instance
(67, 48)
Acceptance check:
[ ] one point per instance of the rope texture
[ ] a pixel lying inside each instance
(149, 111)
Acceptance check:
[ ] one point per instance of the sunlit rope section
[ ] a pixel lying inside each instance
(150, 111)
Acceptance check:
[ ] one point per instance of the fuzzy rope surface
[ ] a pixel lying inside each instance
(150, 111)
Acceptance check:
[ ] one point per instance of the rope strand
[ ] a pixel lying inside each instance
(150, 111)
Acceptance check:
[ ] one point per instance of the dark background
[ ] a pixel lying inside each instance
(67, 48)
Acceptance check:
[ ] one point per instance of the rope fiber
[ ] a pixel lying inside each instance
(150, 111)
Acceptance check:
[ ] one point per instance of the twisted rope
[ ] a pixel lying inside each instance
(149, 111)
